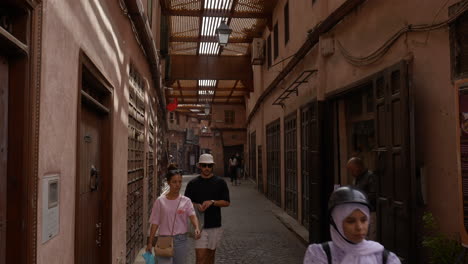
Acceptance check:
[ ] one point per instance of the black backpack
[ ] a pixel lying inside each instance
(326, 248)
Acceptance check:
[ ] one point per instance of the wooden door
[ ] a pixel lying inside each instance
(290, 164)
(260, 168)
(89, 212)
(273, 150)
(3, 153)
(394, 161)
(312, 182)
(253, 156)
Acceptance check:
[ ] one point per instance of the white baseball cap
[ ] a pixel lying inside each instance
(206, 158)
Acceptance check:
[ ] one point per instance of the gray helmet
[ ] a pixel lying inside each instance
(347, 194)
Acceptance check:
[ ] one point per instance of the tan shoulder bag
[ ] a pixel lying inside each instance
(165, 244)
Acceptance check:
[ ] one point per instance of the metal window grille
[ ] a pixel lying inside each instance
(273, 162)
(150, 164)
(136, 156)
(290, 154)
(260, 168)
(306, 131)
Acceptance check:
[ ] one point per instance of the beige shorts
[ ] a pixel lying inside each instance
(210, 238)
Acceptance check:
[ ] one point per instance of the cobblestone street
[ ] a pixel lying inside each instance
(252, 233)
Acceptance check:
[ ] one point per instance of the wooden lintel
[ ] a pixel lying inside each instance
(210, 68)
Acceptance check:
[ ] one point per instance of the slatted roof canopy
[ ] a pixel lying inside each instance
(192, 32)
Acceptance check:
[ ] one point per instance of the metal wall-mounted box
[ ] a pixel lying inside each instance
(50, 206)
(257, 51)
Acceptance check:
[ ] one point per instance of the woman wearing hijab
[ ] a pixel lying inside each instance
(349, 212)
(169, 216)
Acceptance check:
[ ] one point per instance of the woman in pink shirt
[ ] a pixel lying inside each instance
(165, 208)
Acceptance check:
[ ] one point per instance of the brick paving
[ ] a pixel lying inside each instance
(252, 233)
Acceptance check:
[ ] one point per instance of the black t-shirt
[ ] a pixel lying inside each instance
(214, 188)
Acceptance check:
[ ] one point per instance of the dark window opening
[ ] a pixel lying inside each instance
(268, 50)
(459, 47)
(229, 116)
(286, 23)
(275, 41)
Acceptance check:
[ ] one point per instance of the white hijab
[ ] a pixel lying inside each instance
(361, 253)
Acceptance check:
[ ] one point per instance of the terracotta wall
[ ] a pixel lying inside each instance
(360, 33)
(102, 32)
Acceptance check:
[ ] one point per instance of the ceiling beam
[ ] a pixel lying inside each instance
(210, 68)
(208, 39)
(230, 95)
(200, 25)
(215, 13)
(180, 90)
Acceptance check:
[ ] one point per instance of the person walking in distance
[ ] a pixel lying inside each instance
(238, 159)
(233, 170)
(208, 193)
(364, 180)
(169, 215)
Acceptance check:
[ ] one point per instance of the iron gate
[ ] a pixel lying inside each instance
(273, 162)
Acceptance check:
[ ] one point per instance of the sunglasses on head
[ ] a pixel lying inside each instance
(174, 172)
(204, 165)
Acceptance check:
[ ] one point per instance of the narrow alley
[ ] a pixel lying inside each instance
(332, 111)
(252, 232)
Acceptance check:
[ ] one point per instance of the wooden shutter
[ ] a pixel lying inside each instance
(273, 162)
(312, 183)
(290, 161)
(395, 169)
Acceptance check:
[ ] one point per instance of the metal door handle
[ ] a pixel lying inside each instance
(99, 234)
(94, 178)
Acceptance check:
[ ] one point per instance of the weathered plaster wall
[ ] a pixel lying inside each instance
(360, 33)
(102, 32)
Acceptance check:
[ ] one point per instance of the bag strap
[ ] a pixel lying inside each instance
(173, 222)
(326, 248)
(385, 254)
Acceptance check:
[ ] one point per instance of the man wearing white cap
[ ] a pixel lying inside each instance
(208, 193)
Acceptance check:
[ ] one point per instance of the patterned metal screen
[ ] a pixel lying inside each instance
(150, 164)
(136, 156)
(273, 134)
(290, 153)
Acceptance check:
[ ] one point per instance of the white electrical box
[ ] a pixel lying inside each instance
(257, 51)
(50, 206)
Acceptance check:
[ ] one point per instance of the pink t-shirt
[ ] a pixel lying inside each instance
(164, 211)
